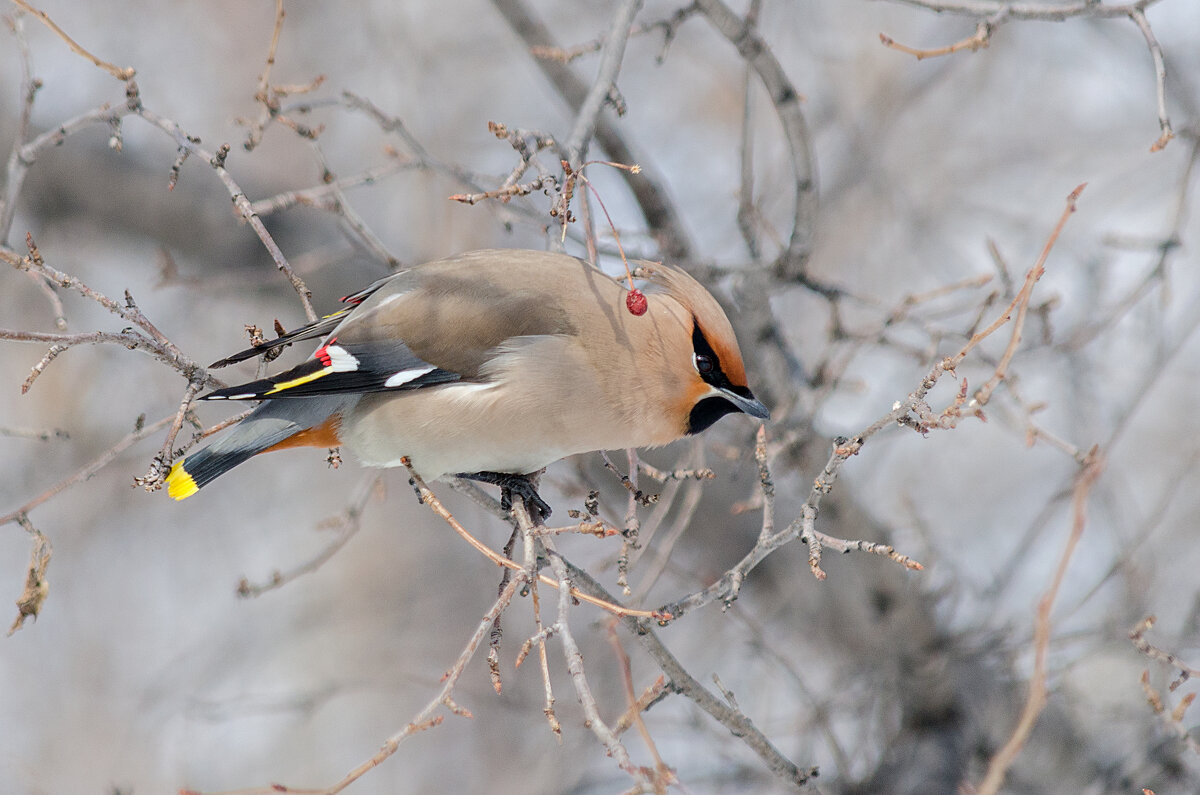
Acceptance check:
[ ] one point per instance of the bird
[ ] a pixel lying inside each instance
(491, 365)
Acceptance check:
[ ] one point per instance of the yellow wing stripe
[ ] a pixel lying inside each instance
(304, 379)
(179, 483)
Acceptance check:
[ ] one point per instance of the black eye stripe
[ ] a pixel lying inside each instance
(705, 359)
(700, 346)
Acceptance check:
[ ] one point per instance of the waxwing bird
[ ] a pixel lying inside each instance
(491, 365)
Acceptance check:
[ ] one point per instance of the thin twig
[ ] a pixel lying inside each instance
(661, 213)
(994, 12)
(611, 56)
(320, 195)
(435, 505)
(89, 470)
(993, 780)
(574, 660)
(978, 40)
(685, 684)
(1138, 637)
(1138, 15)
(344, 525)
(664, 776)
(117, 72)
(786, 101)
(244, 208)
(425, 719)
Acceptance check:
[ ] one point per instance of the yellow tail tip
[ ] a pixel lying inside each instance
(179, 483)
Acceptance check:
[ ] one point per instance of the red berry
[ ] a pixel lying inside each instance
(635, 301)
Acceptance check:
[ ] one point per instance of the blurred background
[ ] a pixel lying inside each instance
(146, 672)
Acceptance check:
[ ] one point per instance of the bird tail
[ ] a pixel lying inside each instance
(275, 424)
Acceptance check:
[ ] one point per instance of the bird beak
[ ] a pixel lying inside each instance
(747, 404)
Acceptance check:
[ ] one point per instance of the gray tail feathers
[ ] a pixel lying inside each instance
(268, 425)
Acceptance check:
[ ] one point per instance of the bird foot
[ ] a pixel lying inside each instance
(519, 485)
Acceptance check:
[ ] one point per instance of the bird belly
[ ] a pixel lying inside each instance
(450, 429)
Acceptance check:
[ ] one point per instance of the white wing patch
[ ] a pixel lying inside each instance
(341, 360)
(404, 376)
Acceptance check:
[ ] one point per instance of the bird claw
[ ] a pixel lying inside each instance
(520, 485)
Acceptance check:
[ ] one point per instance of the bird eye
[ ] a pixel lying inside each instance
(703, 363)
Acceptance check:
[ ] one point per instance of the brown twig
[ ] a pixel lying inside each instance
(1137, 636)
(548, 182)
(611, 56)
(427, 718)
(244, 208)
(268, 96)
(117, 72)
(1138, 15)
(530, 535)
(435, 505)
(574, 659)
(322, 195)
(668, 26)
(153, 479)
(728, 586)
(653, 693)
(664, 476)
(686, 685)
(661, 214)
(1020, 304)
(152, 341)
(997, 770)
(994, 12)
(787, 103)
(89, 470)
(1173, 719)
(978, 40)
(344, 525)
(664, 776)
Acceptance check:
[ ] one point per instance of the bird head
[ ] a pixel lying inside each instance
(716, 383)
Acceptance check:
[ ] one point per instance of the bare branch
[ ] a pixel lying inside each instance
(598, 95)
(786, 100)
(685, 684)
(117, 72)
(1138, 15)
(1138, 637)
(88, 471)
(993, 780)
(436, 506)
(661, 214)
(574, 660)
(978, 40)
(344, 526)
(992, 13)
(427, 718)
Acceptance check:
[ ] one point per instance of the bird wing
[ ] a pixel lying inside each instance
(433, 324)
(345, 367)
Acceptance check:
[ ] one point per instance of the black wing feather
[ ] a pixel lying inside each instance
(318, 328)
(374, 364)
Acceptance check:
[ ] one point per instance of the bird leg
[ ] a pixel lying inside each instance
(509, 484)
